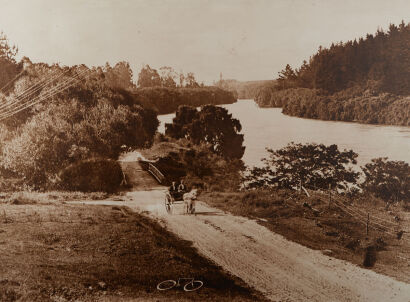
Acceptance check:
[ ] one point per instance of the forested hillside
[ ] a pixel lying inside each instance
(366, 80)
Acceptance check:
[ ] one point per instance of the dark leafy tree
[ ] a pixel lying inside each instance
(286, 77)
(148, 77)
(314, 166)
(211, 125)
(119, 76)
(8, 65)
(389, 180)
(381, 58)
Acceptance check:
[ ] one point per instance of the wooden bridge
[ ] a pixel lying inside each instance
(154, 171)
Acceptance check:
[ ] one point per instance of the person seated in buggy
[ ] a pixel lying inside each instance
(173, 190)
(182, 188)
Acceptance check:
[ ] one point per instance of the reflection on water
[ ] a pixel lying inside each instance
(268, 127)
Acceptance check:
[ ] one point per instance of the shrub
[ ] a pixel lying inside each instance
(64, 134)
(388, 180)
(370, 256)
(94, 175)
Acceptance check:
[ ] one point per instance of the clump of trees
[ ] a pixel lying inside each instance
(366, 80)
(166, 77)
(379, 58)
(211, 125)
(313, 166)
(320, 167)
(65, 134)
(388, 180)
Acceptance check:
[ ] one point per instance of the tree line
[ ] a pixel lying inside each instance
(366, 80)
(379, 61)
(166, 77)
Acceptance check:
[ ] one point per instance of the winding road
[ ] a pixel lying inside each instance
(282, 270)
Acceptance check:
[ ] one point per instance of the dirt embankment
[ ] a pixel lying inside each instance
(51, 251)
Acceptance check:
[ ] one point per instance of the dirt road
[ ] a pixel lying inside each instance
(282, 270)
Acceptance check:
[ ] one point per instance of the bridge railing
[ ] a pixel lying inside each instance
(156, 173)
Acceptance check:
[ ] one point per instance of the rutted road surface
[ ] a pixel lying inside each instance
(280, 269)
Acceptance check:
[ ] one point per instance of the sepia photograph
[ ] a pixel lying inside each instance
(204, 150)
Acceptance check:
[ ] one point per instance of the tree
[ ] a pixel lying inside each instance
(286, 77)
(8, 66)
(119, 76)
(168, 76)
(181, 79)
(211, 125)
(148, 77)
(389, 180)
(314, 166)
(190, 80)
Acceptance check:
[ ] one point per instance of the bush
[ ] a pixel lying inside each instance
(370, 256)
(67, 133)
(94, 175)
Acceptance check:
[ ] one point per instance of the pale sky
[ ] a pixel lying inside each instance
(243, 39)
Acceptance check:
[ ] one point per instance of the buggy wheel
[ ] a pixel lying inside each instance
(194, 285)
(167, 204)
(167, 284)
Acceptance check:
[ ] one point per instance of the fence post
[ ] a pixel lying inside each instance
(330, 195)
(367, 224)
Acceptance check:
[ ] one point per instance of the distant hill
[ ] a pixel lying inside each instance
(244, 90)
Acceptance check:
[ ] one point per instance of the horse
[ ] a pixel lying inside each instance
(189, 201)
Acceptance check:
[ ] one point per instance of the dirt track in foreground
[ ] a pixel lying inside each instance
(280, 269)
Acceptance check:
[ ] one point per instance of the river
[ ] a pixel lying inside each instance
(268, 127)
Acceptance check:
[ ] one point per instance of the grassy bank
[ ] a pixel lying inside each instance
(311, 222)
(53, 251)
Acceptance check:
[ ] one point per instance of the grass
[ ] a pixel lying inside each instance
(161, 149)
(33, 197)
(311, 222)
(53, 251)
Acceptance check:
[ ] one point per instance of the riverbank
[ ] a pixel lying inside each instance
(348, 105)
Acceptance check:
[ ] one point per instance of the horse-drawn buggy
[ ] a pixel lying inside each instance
(187, 199)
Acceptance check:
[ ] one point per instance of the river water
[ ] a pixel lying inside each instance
(268, 127)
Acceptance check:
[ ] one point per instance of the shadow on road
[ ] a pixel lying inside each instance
(209, 214)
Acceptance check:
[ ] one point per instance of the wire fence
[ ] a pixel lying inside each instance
(370, 221)
(25, 100)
